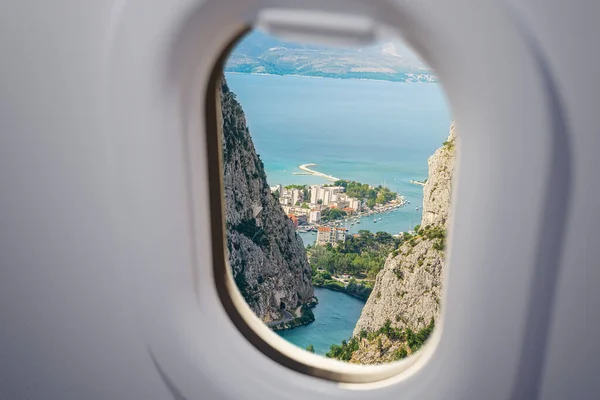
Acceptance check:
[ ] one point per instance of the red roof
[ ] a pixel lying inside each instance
(328, 229)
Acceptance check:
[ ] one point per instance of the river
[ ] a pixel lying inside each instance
(335, 318)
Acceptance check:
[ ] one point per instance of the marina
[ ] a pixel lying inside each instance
(353, 221)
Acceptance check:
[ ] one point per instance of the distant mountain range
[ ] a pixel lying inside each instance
(260, 53)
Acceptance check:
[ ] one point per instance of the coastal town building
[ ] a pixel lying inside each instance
(338, 204)
(296, 210)
(326, 235)
(294, 220)
(314, 216)
(353, 203)
(278, 189)
(325, 194)
(288, 197)
(294, 196)
(308, 207)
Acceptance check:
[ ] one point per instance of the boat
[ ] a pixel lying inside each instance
(379, 219)
(375, 221)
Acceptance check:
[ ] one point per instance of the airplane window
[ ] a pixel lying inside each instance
(337, 169)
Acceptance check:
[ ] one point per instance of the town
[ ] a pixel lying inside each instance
(325, 208)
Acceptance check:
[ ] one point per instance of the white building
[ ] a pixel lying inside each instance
(353, 203)
(343, 201)
(314, 193)
(296, 196)
(296, 210)
(314, 216)
(290, 196)
(326, 194)
(277, 188)
(330, 235)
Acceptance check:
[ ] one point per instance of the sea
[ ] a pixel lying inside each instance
(374, 132)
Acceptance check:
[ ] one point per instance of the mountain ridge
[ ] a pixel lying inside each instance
(266, 256)
(260, 53)
(404, 304)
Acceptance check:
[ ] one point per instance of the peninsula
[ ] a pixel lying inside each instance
(308, 171)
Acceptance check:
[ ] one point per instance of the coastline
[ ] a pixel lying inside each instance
(339, 289)
(335, 319)
(325, 77)
(304, 167)
(306, 317)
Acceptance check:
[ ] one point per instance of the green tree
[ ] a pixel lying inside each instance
(310, 348)
(400, 353)
(332, 214)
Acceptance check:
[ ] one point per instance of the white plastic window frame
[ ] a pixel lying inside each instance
(239, 312)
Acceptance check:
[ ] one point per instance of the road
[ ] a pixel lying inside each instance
(287, 317)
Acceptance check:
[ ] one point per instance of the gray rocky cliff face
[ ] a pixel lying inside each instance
(266, 255)
(438, 188)
(407, 291)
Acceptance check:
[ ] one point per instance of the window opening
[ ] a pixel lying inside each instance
(337, 173)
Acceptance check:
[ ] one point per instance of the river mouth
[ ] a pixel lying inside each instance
(335, 318)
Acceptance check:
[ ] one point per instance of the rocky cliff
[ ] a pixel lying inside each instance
(267, 257)
(438, 187)
(406, 297)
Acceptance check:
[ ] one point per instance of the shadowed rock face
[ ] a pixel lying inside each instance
(267, 257)
(407, 291)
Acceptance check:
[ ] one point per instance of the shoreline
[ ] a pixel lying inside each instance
(327, 77)
(304, 167)
(340, 290)
(306, 317)
(298, 323)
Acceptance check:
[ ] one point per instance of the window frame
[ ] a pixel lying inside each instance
(250, 326)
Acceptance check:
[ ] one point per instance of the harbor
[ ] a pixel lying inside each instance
(355, 218)
(387, 218)
(326, 213)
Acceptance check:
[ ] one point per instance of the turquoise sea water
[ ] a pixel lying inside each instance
(369, 131)
(335, 318)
